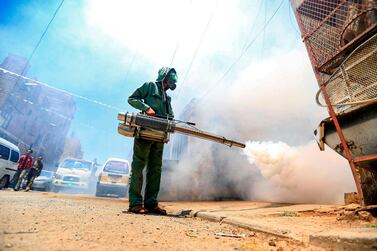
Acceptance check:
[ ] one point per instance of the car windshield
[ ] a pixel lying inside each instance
(79, 164)
(47, 174)
(116, 167)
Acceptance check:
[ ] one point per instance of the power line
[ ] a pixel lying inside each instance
(253, 24)
(264, 31)
(290, 20)
(175, 52)
(130, 65)
(244, 51)
(36, 46)
(42, 36)
(32, 103)
(58, 114)
(197, 48)
(5, 71)
(179, 37)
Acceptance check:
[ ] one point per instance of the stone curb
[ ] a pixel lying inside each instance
(339, 241)
(324, 239)
(210, 216)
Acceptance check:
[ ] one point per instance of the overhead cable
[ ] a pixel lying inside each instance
(197, 48)
(5, 71)
(243, 52)
(42, 36)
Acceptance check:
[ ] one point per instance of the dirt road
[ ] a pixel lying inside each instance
(49, 221)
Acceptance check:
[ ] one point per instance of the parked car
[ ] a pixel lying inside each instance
(42, 182)
(73, 174)
(113, 178)
(9, 155)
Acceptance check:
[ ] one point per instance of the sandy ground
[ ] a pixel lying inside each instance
(49, 221)
(297, 221)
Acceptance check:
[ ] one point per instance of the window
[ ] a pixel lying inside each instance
(70, 163)
(6, 119)
(47, 174)
(4, 152)
(14, 156)
(116, 167)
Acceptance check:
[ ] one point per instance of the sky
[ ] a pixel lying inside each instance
(104, 50)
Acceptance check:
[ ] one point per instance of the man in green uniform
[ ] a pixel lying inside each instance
(152, 99)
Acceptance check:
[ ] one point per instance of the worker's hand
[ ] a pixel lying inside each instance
(150, 112)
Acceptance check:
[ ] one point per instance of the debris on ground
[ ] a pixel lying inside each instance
(365, 215)
(289, 214)
(193, 233)
(221, 234)
(252, 234)
(354, 212)
(272, 243)
(185, 213)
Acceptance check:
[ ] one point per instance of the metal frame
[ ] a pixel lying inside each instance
(329, 58)
(365, 158)
(346, 47)
(352, 162)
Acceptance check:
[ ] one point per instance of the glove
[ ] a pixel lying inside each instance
(150, 112)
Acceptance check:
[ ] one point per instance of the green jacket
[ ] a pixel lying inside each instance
(151, 95)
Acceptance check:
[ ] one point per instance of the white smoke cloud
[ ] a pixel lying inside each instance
(298, 174)
(270, 101)
(274, 160)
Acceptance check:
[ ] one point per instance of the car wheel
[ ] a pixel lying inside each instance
(4, 182)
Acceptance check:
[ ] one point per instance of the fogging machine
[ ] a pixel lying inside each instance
(158, 129)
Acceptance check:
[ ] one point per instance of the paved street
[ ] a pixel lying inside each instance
(49, 221)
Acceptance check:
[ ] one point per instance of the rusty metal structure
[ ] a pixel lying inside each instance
(341, 39)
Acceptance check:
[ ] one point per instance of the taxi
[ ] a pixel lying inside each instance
(113, 178)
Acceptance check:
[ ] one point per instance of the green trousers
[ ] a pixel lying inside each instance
(146, 153)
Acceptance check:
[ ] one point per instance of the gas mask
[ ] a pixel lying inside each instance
(173, 78)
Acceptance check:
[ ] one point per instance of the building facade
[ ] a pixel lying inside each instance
(33, 115)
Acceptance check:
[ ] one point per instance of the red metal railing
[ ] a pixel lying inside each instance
(332, 26)
(331, 30)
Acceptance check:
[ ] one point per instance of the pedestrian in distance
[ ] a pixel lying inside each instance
(24, 164)
(34, 172)
(151, 98)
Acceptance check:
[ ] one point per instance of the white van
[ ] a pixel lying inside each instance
(73, 174)
(113, 178)
(9, 155)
